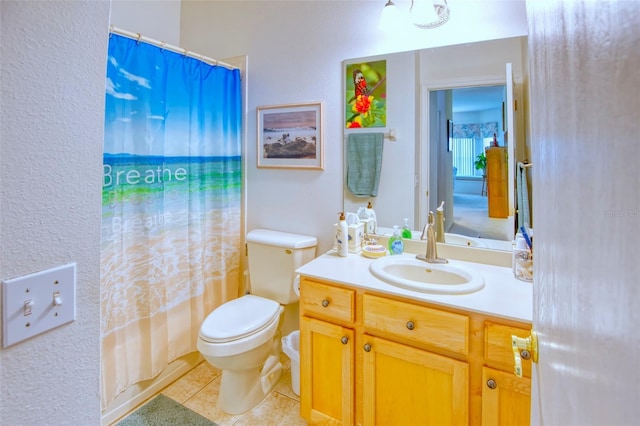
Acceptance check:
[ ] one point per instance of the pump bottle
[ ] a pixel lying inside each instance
(342, 235)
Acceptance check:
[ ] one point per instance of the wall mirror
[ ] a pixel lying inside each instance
(444, 106)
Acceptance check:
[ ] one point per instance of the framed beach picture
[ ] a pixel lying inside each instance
(366, 94)
(290, 136)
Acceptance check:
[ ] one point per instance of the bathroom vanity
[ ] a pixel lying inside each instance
(373, 353)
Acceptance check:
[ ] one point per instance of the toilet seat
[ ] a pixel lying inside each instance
(238, 326)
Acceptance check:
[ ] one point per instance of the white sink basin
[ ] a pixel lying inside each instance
(463, 240)
(418, 275)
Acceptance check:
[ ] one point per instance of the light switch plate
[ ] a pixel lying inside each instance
(39, 302)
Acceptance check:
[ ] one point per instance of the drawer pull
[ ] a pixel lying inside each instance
(410, 325)
(367, 347)
(491, 384)
(344, 340)
(325, 303)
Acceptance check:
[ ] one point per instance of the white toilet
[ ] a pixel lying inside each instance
(241, 337)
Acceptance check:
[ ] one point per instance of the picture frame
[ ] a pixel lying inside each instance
(290, 136)
(365, 94)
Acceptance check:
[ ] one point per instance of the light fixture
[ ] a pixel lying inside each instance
(390, 18)
(427, 14)
(424, 14)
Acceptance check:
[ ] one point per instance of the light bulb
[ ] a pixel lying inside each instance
(390, 17)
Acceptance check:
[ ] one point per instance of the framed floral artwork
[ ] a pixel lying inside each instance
(366, 94)
(290, 136)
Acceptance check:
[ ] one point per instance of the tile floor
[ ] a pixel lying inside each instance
(198, 391)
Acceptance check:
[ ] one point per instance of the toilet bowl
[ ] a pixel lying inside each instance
(241, 338)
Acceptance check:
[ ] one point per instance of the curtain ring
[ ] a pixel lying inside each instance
(139, 37)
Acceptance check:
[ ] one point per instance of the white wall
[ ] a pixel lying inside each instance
(295, 54)
(51, 121)
(157, 19)
(53, 70)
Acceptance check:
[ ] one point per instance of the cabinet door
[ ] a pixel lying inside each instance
(326, 372)
(408, 386)
(506, 398)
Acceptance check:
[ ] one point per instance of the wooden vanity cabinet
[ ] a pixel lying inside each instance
(327, 341)
(506, 398)
(372, 359)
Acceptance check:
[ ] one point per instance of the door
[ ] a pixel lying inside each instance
(408, 386)
(326, 372)
(585, 122)
(510, 141)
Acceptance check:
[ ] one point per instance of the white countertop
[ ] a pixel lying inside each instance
(503, 295)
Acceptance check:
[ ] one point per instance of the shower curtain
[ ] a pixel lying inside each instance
(171, 200)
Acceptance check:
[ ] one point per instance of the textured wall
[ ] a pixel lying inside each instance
(51, 111)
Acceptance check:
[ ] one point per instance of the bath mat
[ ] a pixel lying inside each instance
(164, 411)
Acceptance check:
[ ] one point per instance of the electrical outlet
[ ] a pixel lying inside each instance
(39, 302)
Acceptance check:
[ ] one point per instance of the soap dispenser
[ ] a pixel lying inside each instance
(342, 235)
(396, 245)
(440, 223)
(406, 231)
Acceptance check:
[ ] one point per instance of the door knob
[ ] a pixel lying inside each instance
(529, 348)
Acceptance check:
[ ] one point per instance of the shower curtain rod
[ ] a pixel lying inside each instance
(163, 45)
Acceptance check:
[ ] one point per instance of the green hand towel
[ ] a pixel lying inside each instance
(364, 162)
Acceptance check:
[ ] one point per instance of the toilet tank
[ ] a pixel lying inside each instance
(273, 258)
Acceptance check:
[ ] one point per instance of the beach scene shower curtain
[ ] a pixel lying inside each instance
(171, 201)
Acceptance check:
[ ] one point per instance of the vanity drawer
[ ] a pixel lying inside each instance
(419, 324)
(497, 347)
(325, 301)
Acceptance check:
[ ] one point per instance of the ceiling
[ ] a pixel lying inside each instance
(477, 98)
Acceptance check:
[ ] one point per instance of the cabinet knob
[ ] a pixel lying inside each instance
(491, 384)
(525, 354)
(344, 340)
(367, 347)
(325, 303)
(410, 325)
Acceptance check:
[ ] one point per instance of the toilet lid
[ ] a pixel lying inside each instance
(238, 318)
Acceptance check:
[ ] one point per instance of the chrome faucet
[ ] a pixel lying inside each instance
(429, 234)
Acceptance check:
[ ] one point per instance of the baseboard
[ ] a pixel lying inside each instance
(137, 394)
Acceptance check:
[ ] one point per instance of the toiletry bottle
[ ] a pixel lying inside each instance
(342, 244)
(440, 223)
(396, 245)
(371, 214)
(406, 231)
